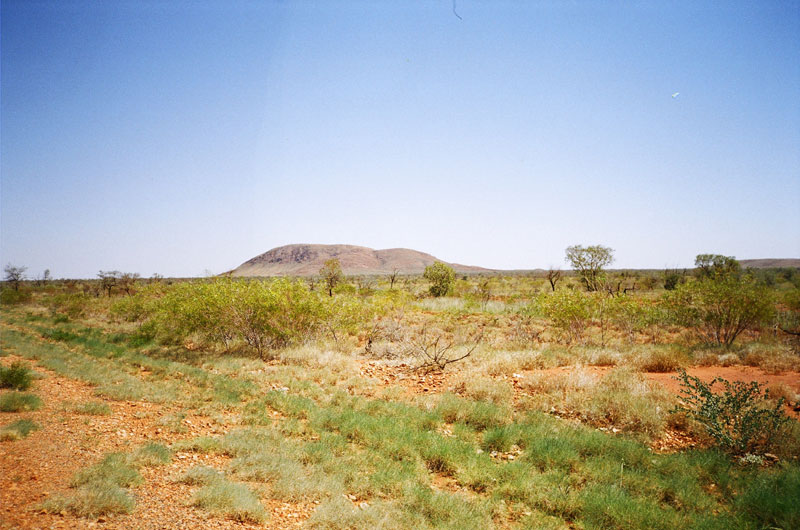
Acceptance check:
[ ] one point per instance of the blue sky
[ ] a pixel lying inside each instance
(185, 137)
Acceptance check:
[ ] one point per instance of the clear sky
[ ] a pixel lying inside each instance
(184, 137)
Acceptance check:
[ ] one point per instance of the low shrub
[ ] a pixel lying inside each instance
(17, 376)
(739, 419)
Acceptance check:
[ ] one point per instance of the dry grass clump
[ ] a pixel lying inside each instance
(500, 363)
(602, 357)
(772, 358)
(622, 399)
(312, 356)
(783, 391)
(660, 360)
(481, 388)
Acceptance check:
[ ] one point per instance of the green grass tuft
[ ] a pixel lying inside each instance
(19, 402)
(201, 475)
(150, 455)
(18, 430)
(115, 469)
(91, 408)
(92, 500)
(231, 499)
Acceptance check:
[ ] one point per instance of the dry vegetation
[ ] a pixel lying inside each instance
(506, 403)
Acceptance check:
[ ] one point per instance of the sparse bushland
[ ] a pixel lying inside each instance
(507, 447)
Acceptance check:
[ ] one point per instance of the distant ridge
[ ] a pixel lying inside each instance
(306, 260)
(770, 263)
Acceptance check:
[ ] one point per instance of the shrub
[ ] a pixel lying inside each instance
(739, 419)
(17, 376)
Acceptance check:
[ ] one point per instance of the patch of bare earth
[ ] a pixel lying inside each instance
(42, 464)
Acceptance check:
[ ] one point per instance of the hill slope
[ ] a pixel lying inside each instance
(306, 260)
(769, 263)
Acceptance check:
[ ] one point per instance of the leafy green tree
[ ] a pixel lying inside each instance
(441, 277)
(588, 262)
(331, 274)
(716, 265)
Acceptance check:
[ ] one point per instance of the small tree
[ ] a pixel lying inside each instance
(553, 276)
(127, 281)
(441, 277)
(588, 262)
(331, 274)
(393, 278)
(14, 275)
(108, 280)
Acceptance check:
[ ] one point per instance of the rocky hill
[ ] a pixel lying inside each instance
(306, 260)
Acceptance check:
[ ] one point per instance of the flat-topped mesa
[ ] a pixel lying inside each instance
(306, 260)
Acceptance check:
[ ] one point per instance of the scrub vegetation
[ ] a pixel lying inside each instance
(437, 401)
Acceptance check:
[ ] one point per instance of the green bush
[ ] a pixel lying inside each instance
(17, 376)
(72, 305)
(740, 420)
(720, 308)
(570, 312)
(441, 277)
